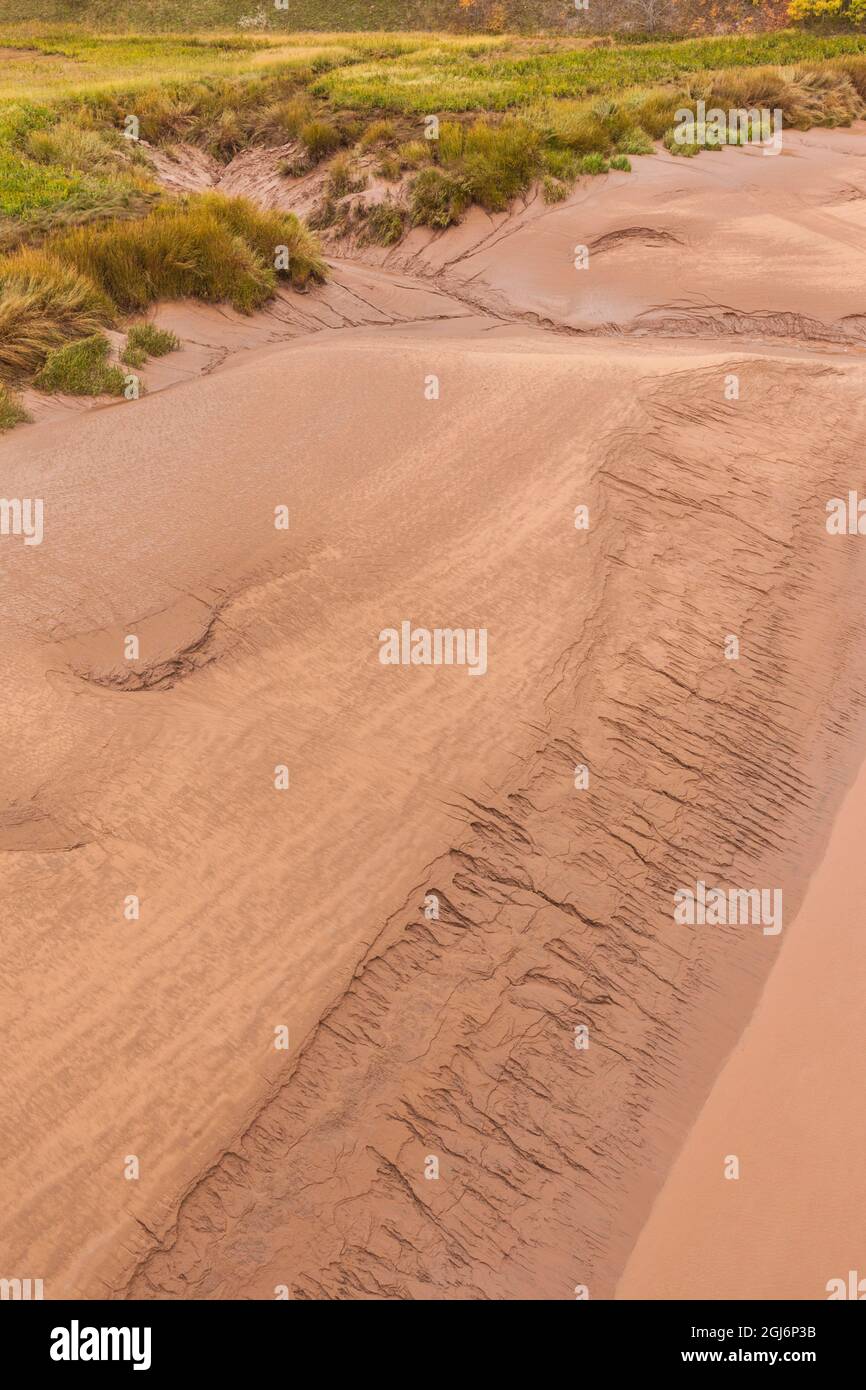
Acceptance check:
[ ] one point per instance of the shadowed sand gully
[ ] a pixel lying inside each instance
(415, 1036)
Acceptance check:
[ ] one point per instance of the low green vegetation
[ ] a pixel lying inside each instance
(146, 340)
(63, 61)
(452, 75)
(82, 369)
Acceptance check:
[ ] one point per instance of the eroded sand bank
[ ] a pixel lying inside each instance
(410, 1037)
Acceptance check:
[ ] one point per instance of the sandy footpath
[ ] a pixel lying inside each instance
(431, 432)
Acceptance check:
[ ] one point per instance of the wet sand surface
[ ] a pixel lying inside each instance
(434, 905)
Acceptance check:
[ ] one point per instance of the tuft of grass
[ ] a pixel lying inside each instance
(342, 179)
(413, 153)
(621, 162)
(71, 146)
(379, 133)
(324, 214)
(222, 133)
(145, 340)
(593, 164)
(635, 141)
(806, 96)
(206, 247)
(44, 303)
(655, 111)
(176, 253)
(156, 342)
(554, 189)
(385, 223)
(320, 138)
(687, 149)
(12, 412)
(82, 369)
(498, 162)
(573, 126)
(561, 165)
(389, 168)
(855, 70)
(438, 198)
(271, 234)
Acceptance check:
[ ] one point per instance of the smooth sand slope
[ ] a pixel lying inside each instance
(787, 1104)
(410, 1038)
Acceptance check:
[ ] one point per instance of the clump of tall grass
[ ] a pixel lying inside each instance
(560, 164)
(325, 213)
(654, 112)
(177, 252)
(411, 154)
(222, 133)
(806, 96)
(626, 126)
(378, 133)
(320, 138)
(82, 369)
(705, 139)
(574, 126)
(438, 198)
(276, 237)
(43, 303)
(206, 247)
(385, 223)
(281, 120)
(343, 178)
(634, 140)
(498, 162)
(855, 70)
(553, 189)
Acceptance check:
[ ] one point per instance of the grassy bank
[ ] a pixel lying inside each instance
(77, 283)
(89, 236)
